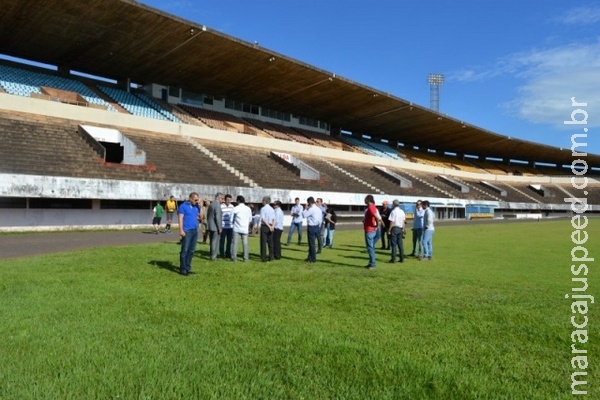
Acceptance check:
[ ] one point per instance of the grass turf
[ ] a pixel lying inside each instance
(486, 318)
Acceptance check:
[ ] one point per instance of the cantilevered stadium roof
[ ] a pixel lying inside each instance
(123, 39)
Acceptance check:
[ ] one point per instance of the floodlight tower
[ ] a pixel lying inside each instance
(435, 81)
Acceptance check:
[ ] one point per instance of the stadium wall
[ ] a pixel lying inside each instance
(51, 187)
(31, 186)
(91, 115)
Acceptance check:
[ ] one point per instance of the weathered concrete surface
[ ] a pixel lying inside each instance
(30, 244)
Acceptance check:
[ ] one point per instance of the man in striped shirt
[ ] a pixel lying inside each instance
(227, 232)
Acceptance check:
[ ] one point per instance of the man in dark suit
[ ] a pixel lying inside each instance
(214, 224)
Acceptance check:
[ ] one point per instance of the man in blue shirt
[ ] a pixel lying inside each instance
(417, 230)
(296, 222)
(188, 213)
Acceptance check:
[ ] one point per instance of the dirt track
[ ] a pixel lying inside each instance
(30, 244)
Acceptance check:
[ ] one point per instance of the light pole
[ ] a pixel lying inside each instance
(435, 81)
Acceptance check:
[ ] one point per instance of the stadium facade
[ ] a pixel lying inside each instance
(207, 113)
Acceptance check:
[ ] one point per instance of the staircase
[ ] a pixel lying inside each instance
(110, 101)
(356, 178)
(482, 191)
(523, 193)
(222, 162)
(565, 191)
(450, 195)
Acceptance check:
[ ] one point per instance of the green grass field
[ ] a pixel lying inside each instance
(487, 318)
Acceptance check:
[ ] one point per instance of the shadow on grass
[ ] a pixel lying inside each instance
(353, 246)
(168, 265)
(320, 261)
(202, 253)
(337, 263)
(300, 249)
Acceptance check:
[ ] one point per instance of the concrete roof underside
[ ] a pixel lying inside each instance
(122, 39)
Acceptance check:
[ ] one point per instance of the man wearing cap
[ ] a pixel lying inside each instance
(397, 220)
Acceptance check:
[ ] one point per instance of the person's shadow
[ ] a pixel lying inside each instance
(168, 265)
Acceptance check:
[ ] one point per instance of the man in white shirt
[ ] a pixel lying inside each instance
(397, 219)
(428, 230)
(278, 231)
(267, 226)
(241, 216)
(314, 219)
(323, 209)
(296, 222)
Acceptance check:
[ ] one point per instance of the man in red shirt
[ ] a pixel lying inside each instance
(371, 223)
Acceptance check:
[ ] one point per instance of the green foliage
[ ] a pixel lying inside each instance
(486, 318)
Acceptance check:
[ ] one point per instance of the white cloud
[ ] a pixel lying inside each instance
(535, 62)
(550, 78)
(546, 99)
(580, 16)
(509, 65)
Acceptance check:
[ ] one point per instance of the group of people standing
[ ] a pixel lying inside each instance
(226, 224)
(390, 223)
(320, 227)
(423, 229)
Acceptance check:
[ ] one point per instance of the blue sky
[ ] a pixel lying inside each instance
(510, 66)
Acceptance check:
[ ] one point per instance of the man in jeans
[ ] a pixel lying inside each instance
(397, 220)
(188, 230)
(314, 219)
(417, 235)
(371, 223)
(428, 230)
(296, 222)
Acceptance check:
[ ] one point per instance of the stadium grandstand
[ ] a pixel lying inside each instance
(109, 105)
